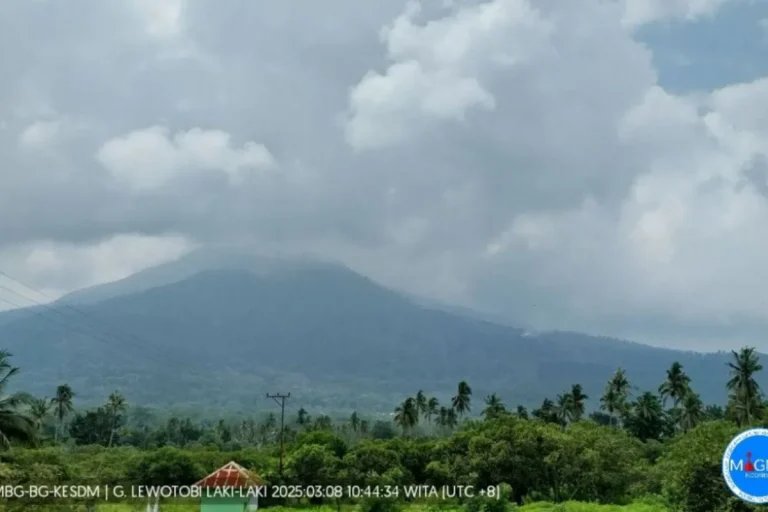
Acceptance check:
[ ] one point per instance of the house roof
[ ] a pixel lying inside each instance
(231, 475)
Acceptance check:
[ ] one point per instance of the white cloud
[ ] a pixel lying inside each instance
(436, 68)
(55, 268)
(641, 12)
(687, 241)
(150, 158)
(534, 164)
(162, 18)
(39, 134)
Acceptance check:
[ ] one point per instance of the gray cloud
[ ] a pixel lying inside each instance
(515, 158)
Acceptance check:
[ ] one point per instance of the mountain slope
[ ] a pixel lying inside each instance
(328, 335)
(197, 261)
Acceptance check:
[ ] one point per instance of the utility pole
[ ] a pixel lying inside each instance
(280, 400)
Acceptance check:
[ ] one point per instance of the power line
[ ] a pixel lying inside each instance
(162, 359)
(68, 306)
(280, 400)
(66, 326)
(40, 304)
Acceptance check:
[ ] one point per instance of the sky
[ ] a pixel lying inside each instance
(591, 165)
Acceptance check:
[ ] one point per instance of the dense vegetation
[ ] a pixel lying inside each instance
(662, 447)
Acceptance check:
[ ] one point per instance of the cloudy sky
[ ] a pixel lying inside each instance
(596, 165)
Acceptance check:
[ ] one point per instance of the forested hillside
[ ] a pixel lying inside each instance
(660, 448)
(319, 330)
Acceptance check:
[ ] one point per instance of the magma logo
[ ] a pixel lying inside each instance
(752, 468)
(745, 465)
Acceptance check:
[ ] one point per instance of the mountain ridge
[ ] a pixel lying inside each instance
(321, 331)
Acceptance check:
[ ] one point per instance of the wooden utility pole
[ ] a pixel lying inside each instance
(280, 400)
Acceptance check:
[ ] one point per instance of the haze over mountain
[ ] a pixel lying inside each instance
(591, 165)
(222, 329)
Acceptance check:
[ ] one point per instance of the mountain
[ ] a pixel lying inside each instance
(193, 263)
(221, 331)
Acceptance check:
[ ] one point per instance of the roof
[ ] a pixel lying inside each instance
(231, 475)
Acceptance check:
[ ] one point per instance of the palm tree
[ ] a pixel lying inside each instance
(62, 406)
(115, 405)
(303, 418)
(616, 395)
(564, 409)
(692, 411)
(442, 417)
(364, 427)
(39, 408)
(547, 413)
(577, 402)
(433, 407)
(271, 421)
(14, 423)
(354, 422)
(407, 415)
(494, 407)
(676, 385)
(323, 422)
(522, 412)
(461, 402)
(450, 418)
(745, 393)
(421, 403)
(647, 419)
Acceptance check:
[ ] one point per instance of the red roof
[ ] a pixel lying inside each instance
(232, 475)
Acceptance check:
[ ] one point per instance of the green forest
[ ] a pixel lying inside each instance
(638, 451)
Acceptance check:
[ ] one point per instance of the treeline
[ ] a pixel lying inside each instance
(664, 443)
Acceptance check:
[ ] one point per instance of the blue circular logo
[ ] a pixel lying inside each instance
(745, 465)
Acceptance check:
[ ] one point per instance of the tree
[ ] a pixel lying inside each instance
(692, 411)
(323, 422)
(564, 409)
(115, 405)
(714, 412)
(462, 401)
(494, 407)
(547, 412)
(421, 403)
(616, 395)
(690, 469)
(450, 418)
(223, 431)
(442, 417)
(433, 408)
(522, 412)
(676, 385)
(745, 393)
(14, 423)
(93, 427)
(354, 422)
(407, 415)
(578, 399)
(646, 417)
(383, 430)
(312, 464)
(62, 406)
(303, 417)
(39, 409)
(167, 466)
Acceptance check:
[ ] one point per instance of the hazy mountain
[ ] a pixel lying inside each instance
(217, 330)
(187, 266)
